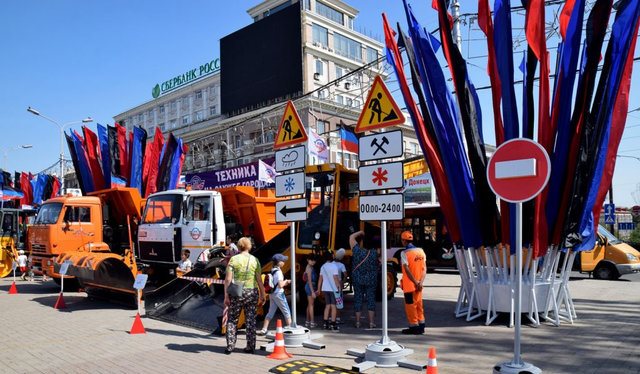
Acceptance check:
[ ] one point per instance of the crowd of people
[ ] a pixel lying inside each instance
(245, 288)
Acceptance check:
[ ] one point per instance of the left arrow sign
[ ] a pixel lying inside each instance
(291, 210)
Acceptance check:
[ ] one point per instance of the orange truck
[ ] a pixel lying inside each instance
(93, 232)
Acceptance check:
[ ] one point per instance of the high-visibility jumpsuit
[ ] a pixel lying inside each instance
(415, 259)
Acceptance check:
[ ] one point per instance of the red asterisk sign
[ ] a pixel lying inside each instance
(380, 176)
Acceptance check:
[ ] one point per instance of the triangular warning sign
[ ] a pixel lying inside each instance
(380, 110)
(291, 131)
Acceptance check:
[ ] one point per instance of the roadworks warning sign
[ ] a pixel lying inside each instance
(380, 110)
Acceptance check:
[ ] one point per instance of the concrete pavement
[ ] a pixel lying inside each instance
(91, 336)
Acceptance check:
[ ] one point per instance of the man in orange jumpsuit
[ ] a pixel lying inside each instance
(414, 270)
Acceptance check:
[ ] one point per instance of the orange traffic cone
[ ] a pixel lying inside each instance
(13, 289)
(60, 302)
(279, 351)
(137, 327)
(432, 364)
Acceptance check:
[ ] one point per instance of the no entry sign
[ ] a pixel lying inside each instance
(518, 170)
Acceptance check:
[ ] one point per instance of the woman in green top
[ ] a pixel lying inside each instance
(246, 269)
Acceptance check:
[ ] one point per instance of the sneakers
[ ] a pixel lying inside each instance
(325, 324)
(309, 324)
(334, 327)
(261, 332)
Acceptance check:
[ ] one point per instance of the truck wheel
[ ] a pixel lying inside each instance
(392, 282)
(606, 271)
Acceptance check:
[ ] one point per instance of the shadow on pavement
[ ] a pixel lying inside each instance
(76, 303)
(35, 288)
(182, 334)
(194, 348)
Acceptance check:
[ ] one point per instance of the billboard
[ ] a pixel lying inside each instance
(263, 62)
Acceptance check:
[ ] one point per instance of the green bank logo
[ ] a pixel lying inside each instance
(189, 76)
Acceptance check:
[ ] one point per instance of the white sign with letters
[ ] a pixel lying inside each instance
(389, 207)
(141, 281)
(64, 267)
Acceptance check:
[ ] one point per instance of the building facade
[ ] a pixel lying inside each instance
(229, 114)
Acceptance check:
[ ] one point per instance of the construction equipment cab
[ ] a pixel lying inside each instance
(176, 220)
(609, 259)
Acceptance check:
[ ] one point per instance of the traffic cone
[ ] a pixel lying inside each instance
(13, 289)
(432, 364)
(60, 302)
(137, 327)
(279, 351)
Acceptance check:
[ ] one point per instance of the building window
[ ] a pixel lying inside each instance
(269, 136)
(372, 55)
(161, 126)
(340, 99)
(322, 94)
(347, 47)
(356, 103)
(199, 95)
(320, 35)
(319, 67)
(212, 110)
(350, 22)
(140, 116)
(330, 13)
(172, 124)
(213, 90)
(199, 115)
(185, 120)
(161, 109)
(349, 101)
(174, 105)
(339, 72)
(321, 126)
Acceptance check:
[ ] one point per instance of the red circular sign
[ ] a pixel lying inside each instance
(518, 170)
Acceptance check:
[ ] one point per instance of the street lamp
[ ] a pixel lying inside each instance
(62, 128)
(6, 152)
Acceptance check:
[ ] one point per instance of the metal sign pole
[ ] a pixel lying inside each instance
(292, 236)
(383, 238)
(517, 360)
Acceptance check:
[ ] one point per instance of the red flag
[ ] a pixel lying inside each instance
(151, 161)
(55, 188)
(124, 152)
(620, 108)
(434, 5)
(27, 190)
(92, 146)
(486, 25)
(433, 160)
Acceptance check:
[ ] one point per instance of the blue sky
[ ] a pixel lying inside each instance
(71, 59)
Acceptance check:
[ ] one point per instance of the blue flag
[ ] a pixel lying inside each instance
(103, 139)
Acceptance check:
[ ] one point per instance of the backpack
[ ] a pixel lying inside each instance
(269, 287)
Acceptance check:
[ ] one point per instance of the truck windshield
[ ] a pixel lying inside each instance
(610, 237)
(49, 213)
(163, 209)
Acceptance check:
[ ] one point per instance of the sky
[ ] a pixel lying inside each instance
(72, 59)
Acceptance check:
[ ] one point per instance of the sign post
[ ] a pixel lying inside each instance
(381, 207)
(60, 304)
(291, 158)
(518, 171)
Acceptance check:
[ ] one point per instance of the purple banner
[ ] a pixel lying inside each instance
(243, 175)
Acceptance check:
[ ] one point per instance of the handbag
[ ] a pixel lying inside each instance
(235, 288)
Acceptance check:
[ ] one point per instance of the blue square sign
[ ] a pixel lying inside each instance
(609, 214)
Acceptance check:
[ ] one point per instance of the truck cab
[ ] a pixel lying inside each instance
(609, 259)
(63, 224)
(177, 219)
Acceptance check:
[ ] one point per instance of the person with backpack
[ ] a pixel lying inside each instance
(277, 298)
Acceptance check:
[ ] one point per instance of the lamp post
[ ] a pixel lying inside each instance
(6, 152)
(61, 127)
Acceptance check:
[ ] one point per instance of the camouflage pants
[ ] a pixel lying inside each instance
(248, 301)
